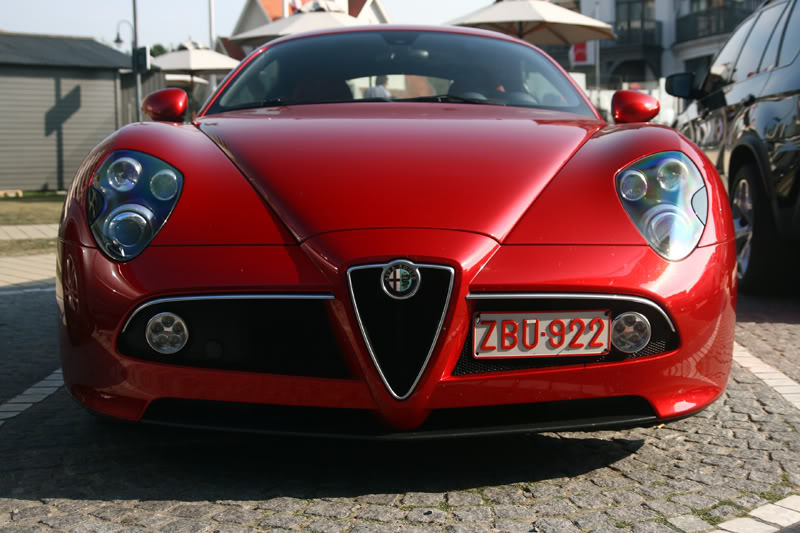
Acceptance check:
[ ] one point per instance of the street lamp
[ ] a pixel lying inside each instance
(118, 41)
(134, 45)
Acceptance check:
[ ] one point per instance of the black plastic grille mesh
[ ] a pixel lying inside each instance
(663, 339)
(401, 332)
(289, 337)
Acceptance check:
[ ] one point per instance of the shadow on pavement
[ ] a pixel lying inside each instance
(74, 456)
(783, 308)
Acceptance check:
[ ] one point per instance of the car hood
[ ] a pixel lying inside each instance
(339, 167)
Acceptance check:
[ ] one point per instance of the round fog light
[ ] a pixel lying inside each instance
(164, 185)
(630, 332)
(166, 333)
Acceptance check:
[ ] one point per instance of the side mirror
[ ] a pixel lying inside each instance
(680, 85)
(166, 105)
(633, 106)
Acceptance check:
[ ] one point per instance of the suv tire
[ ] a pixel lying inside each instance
(756, 234)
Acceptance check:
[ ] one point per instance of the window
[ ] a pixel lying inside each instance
(769, 60)
(756, 42)
(791, 41)
(721, 69)
(399, 65)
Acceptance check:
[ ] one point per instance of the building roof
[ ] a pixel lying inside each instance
(59, 51)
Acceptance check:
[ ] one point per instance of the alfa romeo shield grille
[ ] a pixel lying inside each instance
(400, 334)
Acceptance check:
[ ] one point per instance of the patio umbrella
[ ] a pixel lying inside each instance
(299, 22)
(537, 22)
(195, 61)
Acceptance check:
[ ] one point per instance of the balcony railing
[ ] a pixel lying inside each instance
(640, 32)
(714, 21)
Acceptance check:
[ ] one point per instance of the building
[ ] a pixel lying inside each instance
(257, 13)
(655, 39)
(60, 97)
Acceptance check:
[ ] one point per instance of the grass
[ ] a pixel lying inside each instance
(33, 208)
(27, 247)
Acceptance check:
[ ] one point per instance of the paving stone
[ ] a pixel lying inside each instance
(184, 526)
(695, 501)
(239, 516)
(63, 522)
(792, 502)
(592, 501)
(381, 513)
(668, 508)
(626, 498)
(468, 528)
(516, 512)
(555, 525)
(631, 513)
(111, 512)
(725, 512)
(510, 526)
(505, 495)
(379, 499)
(284, 521)
(30, 513)
(423, 499)
(156, 506)
(553, 507)
(746, 525)
(652, 527)
(463, 498)
(689, 523)
(427, 516)
(283, 504)
(473, 514)
(776, 514)
(331, 510)
(195, 510)
(328, 526)
(593, 521)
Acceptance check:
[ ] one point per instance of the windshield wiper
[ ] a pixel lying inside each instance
(450, 99)
(274, 102)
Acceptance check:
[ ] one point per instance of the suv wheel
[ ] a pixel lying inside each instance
(756, 238)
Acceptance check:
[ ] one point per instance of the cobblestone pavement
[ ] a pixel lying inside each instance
(62, 470)
(28, 340)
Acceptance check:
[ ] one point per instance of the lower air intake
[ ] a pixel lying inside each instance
(401, 333)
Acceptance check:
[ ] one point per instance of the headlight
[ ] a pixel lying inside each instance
(131, 197)
(665, 197)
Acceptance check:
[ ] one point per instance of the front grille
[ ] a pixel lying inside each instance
(568, 415)
(662, 340)
(401, 334)
(287, 336)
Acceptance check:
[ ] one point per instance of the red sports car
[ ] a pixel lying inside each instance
(397, 232)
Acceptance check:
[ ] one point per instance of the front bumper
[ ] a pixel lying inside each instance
(98, 298)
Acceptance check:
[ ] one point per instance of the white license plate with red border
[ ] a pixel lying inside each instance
(541, 334)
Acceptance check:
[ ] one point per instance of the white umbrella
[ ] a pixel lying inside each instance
(195, 60)
(297, 23)
(537, 22)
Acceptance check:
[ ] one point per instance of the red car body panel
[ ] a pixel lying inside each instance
(475, 158)
(286, 200)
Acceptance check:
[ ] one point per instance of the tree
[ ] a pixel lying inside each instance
(157, 49)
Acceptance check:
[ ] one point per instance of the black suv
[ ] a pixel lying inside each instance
(745, 116)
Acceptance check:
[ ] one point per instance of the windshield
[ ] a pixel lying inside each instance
(401, 65)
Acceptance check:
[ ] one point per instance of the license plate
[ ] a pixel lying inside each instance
(541, 334)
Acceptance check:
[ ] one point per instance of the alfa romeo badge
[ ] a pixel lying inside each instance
(400, 279)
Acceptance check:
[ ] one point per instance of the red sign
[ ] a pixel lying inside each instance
(579, 52)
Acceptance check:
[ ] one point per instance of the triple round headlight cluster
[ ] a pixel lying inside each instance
(665, 197)
(131, 197)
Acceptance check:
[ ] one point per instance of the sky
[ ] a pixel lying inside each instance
(169, 22)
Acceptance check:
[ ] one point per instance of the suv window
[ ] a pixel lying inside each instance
(756, 42)
(720, 73)
(770, 58)
(791, 42)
